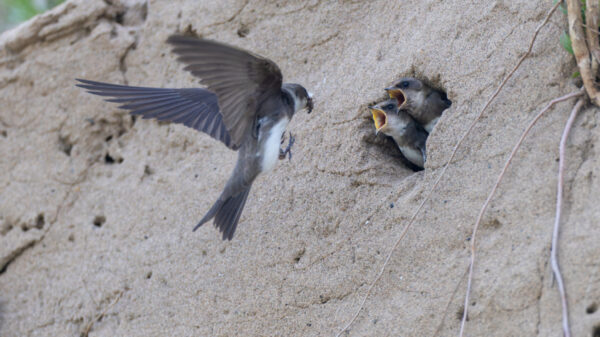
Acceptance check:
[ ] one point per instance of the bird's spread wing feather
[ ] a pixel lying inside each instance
(196, 108)
(240, 79)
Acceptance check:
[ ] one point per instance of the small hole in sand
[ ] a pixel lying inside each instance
(119, 17)
(591, 308)
(39, 221)
(299, 255)
(148, 170)
(108, 159)
(64, 145)
(243, 31)
(99, 220)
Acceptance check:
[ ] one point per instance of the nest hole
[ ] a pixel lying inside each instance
(405, 90)
(384, 144)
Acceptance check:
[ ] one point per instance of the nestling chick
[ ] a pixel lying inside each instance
(397, 123)
(423, 103)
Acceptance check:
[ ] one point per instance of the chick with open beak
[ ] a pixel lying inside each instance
(422, 102)
(379, 118)
(398, 124)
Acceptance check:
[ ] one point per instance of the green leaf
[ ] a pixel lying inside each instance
(562, 7)
(15, 11)
(575, 74)
(565, 42)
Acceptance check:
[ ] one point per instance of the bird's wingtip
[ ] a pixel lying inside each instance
(197, 226)
(178, 38)
(172, 37)
(79, 81)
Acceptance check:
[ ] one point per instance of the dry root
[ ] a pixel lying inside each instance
(491, 195)
(438, 179)
(586, 57)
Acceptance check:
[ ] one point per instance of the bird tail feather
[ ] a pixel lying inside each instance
(227, 213)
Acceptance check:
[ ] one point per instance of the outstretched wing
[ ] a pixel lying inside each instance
(196, 108)
(240, 79)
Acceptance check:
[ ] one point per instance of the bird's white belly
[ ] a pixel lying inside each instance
(430, 125)
(415, 156)
(271, 147)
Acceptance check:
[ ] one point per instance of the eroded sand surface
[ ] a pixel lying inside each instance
(96, 210)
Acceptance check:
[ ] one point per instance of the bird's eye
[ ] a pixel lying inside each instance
(404, 84)
(390, 107)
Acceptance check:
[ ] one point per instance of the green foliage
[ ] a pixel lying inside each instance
(13, 12)
(565, 39)
(562, 7)
(565, 42)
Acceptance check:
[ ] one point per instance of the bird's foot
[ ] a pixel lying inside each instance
(288, 149)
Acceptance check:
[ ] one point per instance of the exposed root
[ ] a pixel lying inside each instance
(437, 181)
(581, 51)
(591, 13)
(439, 328)
(493, 191)
(559, 195)
(89, 326)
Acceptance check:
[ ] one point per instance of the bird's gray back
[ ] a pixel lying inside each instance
(248, 165)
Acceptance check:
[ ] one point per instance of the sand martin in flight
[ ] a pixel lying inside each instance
(245, 105)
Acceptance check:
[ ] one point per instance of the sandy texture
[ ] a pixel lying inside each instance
(96, 209)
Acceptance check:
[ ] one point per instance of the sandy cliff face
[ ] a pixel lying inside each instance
(96, 209)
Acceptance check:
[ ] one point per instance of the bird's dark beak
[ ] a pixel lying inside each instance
(397, 94)
(379, 118)
(309, 103)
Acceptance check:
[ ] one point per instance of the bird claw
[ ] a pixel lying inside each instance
(288, 149)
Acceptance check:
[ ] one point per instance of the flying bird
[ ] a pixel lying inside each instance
(422, 102)
(245, 106)
(398, 124)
